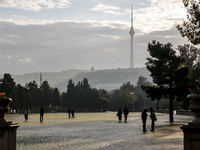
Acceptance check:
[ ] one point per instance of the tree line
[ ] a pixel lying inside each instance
(81, 96)
(32, 96)
(85, 98)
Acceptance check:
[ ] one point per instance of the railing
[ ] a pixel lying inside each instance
(184, 112)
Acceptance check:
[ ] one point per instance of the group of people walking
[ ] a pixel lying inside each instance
(120, 112)
(143, 117)
(125, 112)
(70, 113)
(26, 113)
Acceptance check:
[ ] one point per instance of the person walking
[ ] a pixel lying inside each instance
(26, 112)
(23, 111)
(69, 111)
(144, 119)
(119, 114)
(126, 112)
(153, 118)
(41, 114)
(72, 111)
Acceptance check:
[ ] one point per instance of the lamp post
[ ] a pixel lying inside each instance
(131, 100)
(170, 88)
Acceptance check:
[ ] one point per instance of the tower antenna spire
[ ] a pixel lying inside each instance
(132, 16)
(131, 32)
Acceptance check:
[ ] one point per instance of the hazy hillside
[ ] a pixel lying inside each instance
(52, 77)
(105, 79)
(108, 79)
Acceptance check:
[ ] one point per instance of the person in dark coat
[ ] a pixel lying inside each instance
(69, 111)
(26, 113)
(144, 119)
(153, 118)
(41, 114)
(126, 112)
(119, 114)
(72, 111)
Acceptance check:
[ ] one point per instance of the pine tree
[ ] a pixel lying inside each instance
(170, 76)
(190, 28)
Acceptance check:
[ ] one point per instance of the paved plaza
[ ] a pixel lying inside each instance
(97, 131)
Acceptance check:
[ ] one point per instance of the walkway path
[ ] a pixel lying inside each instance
(97, 131)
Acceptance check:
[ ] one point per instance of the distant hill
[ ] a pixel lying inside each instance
(101, 79)
(52, 77)
(109, 79)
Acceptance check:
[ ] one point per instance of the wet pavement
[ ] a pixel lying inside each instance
(97, 131)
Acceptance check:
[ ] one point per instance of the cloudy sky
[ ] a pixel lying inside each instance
(56, 35)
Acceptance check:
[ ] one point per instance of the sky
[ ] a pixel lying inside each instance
(57, 35)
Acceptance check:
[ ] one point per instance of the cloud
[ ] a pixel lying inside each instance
(18, 17)
(111, 36)
(6, 41)
(7, 3)
(39, 42)
(110, 50)
(35, 5)
(14, 36)
(81, 45)
(8, 56)
(45, 45)
(154, 16)
(91, 23)
(63, 4)
(25, 60)
(153, 1)
(106, 9)
(160, 15)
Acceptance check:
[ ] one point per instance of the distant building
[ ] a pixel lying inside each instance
(92, 69)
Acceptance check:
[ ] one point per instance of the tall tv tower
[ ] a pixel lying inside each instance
(131, 32)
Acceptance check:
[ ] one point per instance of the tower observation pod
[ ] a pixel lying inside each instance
(131, 32)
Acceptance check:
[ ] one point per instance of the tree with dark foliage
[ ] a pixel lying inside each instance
(190, 28)
(170, 76)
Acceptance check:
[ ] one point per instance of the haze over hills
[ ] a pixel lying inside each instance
(52, 77)
(108, 79)
(113, 78)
